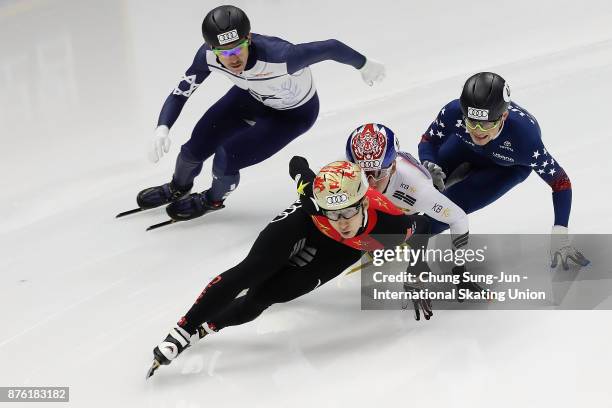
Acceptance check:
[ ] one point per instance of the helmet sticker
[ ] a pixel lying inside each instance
(506, 92)
(369, 145)
(339, 185)
(478, 114)
(228, 37)
(336, 199)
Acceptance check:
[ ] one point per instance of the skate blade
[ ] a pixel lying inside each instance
(153, 368)
(129, 212)
(161, 224)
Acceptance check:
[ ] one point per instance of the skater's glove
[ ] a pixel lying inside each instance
(470, 286)
(160, 143)
(418, 305)
(372, 72)
(304, 177)
(297, 165)
(560, 248)
(437, 174)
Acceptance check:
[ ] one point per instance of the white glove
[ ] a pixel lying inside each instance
(560, 248)
(160, 143)
(372, 72)
(437, 174)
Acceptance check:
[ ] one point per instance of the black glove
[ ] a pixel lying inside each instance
(304, 178)
(470, 286)
(418, 305)
(299, 165)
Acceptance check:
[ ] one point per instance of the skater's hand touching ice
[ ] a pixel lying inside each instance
(560, 249)
(419, 305)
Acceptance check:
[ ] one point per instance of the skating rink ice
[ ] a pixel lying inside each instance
(85, 298)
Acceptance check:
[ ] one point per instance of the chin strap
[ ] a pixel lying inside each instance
(364, 214)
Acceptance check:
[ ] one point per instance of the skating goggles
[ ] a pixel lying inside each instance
(484, 126)
(378, 174)
(232, 51)
(346, 213)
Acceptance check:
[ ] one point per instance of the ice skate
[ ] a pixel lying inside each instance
(174, 344)
(193, 206)
(160, 195)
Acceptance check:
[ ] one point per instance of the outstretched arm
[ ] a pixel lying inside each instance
(303, 176)
(434, 137)
(549, 170)
(190, 81)
(302, 55)
(439, 207)
(193, 77)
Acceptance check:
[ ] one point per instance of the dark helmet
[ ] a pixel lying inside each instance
(485, 96)
(224, 25)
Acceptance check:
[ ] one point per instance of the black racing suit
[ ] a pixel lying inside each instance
(289, 258)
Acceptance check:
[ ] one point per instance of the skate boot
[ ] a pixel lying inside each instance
(193, 206)
(159, 195)
(169, 349)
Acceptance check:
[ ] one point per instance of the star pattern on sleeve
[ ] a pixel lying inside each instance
(521, 113)
(443, 110)
(536, 154)
(550, 170)
(459, 123)
(191, 81)
(440, 134)
(381, 202)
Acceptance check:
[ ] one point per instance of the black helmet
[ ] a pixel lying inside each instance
(224, 25)
(485, 96)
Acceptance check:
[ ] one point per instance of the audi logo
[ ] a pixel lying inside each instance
(227, 37)
(369, 164)
(337, 199)
(475, 113)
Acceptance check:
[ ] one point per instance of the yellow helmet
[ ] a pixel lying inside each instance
(339, 185)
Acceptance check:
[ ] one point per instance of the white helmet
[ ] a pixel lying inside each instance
(339, 185)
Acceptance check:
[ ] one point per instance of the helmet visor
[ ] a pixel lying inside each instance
(232, 51)
(378, 174)
(346, 213)
(484, 126)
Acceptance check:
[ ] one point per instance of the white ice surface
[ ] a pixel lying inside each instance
(85, 297)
